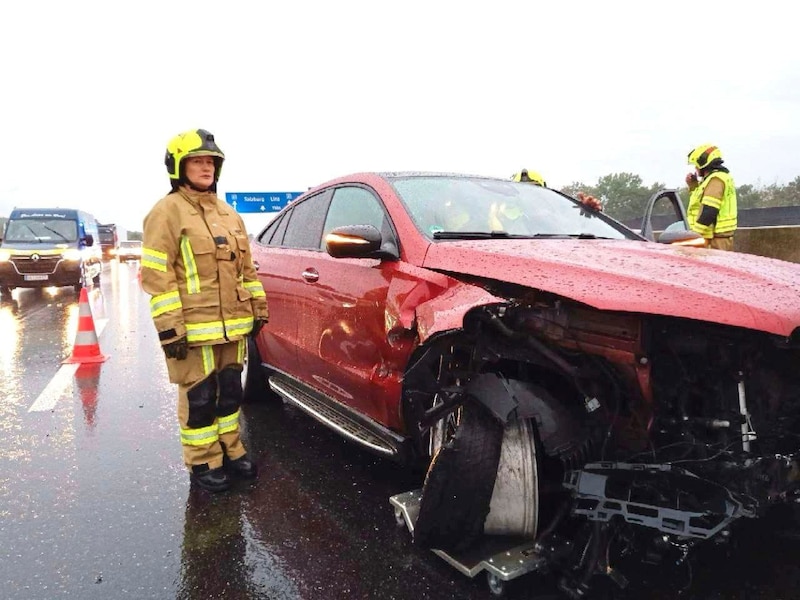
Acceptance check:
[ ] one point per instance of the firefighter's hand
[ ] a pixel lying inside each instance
(590, 202)
(177, 349)
(691, 181)
(257, 325)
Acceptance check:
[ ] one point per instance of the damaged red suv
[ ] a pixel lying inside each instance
(562, 379)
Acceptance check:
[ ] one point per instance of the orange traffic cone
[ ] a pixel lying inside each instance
(86, 348)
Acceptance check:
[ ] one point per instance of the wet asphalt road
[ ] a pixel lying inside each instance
(95, 502)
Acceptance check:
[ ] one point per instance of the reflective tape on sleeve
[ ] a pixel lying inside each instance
(164, 303)
(153, 259)
(255, 288)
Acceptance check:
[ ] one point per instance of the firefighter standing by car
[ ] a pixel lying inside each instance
(712, 210)
(206, 298)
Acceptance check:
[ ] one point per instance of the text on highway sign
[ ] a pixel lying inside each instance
(259, 202)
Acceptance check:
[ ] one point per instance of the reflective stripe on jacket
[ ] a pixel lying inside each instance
(197, 268)
(727, 216)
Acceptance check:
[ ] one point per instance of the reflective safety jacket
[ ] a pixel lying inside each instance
(726, 218)
(197, 268)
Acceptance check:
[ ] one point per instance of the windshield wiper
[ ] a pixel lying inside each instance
(474, 235)
(579, 236)
(58, 233)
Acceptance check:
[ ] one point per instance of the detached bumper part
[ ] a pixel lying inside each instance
(662, 497)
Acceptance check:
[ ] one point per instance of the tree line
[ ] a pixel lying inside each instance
(624, 195)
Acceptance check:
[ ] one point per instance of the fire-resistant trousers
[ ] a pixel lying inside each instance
(209, 397)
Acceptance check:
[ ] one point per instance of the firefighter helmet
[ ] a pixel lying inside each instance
(197, 142)
(529, 177)
(703, 155)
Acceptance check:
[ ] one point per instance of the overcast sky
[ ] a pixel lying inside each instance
(299, 92)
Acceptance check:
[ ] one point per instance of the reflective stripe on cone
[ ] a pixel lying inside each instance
(86, 348)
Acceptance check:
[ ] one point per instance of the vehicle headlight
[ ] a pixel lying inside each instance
(72, 254)
(4, 255)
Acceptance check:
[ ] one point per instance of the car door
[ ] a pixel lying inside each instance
(666, 208)
(282, 253)
(346, 340)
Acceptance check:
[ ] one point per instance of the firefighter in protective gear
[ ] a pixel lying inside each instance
(205, 300)
(712, 210)
(528, 176)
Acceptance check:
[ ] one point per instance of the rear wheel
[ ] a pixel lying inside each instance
(254, 382)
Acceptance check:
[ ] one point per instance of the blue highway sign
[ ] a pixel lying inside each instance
(259, 202)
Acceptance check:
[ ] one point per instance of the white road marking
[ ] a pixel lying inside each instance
(55, 389)
(61, 383)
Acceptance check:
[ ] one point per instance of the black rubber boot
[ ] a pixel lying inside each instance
(242, 467)
(213, 480)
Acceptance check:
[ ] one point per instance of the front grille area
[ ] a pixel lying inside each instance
(25, 265)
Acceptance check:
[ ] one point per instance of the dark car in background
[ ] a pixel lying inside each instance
(46, 247)
(561, 378)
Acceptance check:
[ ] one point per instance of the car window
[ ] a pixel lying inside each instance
(266, 236)
(355, 206)
(304, 223)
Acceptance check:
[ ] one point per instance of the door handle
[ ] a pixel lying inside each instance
(310, 275)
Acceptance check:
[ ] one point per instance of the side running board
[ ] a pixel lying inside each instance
(344, 421)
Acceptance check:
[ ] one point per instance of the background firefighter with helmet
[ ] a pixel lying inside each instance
(205, 300)
(712, 210)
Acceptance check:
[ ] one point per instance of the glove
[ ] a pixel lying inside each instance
(257, 325)
(590, 202)
(177, 349)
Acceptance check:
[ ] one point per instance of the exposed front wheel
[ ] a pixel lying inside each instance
(458, 487)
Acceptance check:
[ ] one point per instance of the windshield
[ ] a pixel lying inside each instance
(42, 231)
(452, 207)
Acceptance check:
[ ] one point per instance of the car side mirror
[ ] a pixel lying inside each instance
(682, 237)
(359, 241)
(88, 240)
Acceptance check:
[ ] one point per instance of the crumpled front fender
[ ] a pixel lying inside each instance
(446, 311)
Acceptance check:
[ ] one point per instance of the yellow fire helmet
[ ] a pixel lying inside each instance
(702, 156)
(529, 177)
(197, 142)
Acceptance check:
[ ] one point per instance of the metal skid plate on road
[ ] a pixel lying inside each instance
(260, 202)
(503, 558)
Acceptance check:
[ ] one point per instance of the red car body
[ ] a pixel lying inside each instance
(628, 356)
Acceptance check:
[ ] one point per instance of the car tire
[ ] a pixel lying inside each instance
(459, 483)
(254, 382)
(5, 291)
